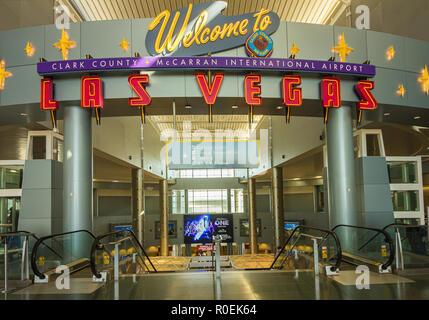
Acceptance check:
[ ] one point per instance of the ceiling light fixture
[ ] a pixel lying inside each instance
(417, 117)
(279, 107)
(387, 114)
(234, 107)
(188, 106)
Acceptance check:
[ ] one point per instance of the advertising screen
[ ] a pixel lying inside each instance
(200, 228)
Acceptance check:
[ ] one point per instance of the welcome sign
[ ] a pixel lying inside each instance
(201, 28)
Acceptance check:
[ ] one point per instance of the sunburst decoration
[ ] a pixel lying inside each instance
(29, 49)
(424, 80)
(3, 74)
(65, 44)
(390, 53)
(342, 48)
(124, 44)
(294, 50)
(401, 91)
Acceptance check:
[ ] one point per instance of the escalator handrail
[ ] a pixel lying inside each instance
(41, 240)
(327, 232)
(387, 238)
(97, 241)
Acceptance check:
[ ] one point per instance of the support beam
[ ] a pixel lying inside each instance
(253, 236)
(77, 169)
(341, 168)
(278, 212)
(163, 199)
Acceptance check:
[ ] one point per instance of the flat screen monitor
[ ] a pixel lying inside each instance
(291, 225)
(200, 228)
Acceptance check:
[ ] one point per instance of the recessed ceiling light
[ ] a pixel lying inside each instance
(417, 117)
(279, 107)
(23, 114)
(387, 114)
(234, 107)
(188, 107)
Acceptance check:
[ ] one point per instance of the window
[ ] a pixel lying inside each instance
(320, 198)
(402, 172)
(237, 202)
(211, 201)
(206, 173)
(178, 201)
(372, 145)
(405, 200)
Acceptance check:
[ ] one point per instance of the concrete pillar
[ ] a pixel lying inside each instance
(77, 169)
(163, 206)
(137, 195)
(278, 212)
(341, 167)
(253, 236)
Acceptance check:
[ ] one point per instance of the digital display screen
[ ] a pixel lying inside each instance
(200, 228)
(291, 225)
(123, 227)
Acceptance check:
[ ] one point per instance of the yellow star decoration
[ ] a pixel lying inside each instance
(294, 50)
(124, 44)
(390, 53)
(29, 49)
(64, 44)
(3, 74)
(401, 91)
(342, 48)
(424, 80)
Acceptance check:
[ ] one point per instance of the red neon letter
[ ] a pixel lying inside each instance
(331, 92)
(363, 89)
(292, 96)
(209, 93)
(47, 101)
(91, 92)
(137, 83)
(252, 89)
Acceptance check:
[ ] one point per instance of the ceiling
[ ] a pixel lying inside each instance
(309, 11)
(237, 123)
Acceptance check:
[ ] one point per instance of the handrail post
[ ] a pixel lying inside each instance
(5, 265)
(24, 260)
(134, 263)
(116, 261)
(399, 252)
(316, 256)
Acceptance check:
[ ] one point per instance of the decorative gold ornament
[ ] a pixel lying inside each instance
(401, 91)
(3, 74)
(294, 50)
(65, 44)
(124, 44)
(29, 49)
(390, 53)
(424, 80)
(342, 48)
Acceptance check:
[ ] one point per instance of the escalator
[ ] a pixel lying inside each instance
(15, 248)
(69, 248)
(305, 245)
(411, 248)
(121, 246)
(366, 246)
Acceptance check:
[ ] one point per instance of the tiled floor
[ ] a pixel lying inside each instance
(300, 285)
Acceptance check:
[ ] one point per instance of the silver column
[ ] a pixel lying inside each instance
(163, 200)
(278, 212)
(137, 202)
(252, 215)
(341, 167)
(77, 169)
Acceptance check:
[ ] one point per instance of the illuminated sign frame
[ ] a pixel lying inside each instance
(205, 63)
